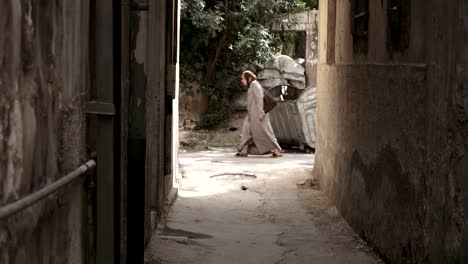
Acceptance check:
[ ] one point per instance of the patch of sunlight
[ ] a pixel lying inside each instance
(203, 191)
(202, 187)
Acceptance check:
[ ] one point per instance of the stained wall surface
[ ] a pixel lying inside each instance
(43, 84)
(392, 128)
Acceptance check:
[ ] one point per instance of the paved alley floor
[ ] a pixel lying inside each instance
(253, 210)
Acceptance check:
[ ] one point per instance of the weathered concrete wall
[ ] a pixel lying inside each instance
(304, 22)
(392, 131)
(43, 83)
(447, 130)
(160, 95)
(371, 126)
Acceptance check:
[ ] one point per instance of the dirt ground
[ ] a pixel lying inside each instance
(227, 136)
(200, 140)
(253, 210)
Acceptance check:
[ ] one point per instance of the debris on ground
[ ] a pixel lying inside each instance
(309, 184)
(281, 71)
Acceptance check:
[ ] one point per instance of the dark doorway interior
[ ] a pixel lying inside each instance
(136, 137)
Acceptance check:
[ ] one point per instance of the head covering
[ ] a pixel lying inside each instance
(249, 76)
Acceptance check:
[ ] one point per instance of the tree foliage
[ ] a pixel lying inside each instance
(311, 4)
(219, 38)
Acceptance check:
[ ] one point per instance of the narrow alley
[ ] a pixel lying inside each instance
(255, 210)
(119, 119)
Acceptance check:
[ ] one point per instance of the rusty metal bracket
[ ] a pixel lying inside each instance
(100, 108)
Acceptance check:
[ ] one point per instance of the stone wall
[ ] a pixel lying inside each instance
(43, 84)
(189, 105)
(392, 132)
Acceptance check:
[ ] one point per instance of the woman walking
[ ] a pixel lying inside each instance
(257, 136)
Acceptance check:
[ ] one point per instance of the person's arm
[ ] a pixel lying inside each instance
(258, 95)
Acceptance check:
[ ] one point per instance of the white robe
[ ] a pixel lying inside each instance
(256, 131)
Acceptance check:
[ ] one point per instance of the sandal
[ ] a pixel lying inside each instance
(242, 155)
(274, 155)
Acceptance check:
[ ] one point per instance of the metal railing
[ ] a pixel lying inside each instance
(25, 202)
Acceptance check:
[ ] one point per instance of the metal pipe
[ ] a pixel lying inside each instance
(15, 207)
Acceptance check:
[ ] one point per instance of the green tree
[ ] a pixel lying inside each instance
(221, 37)
(311, 4)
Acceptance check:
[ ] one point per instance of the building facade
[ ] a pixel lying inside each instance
(392, 131)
